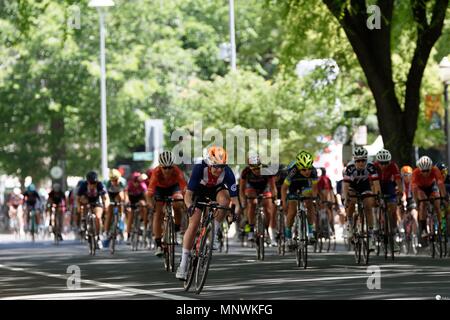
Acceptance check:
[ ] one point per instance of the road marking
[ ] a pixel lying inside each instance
(70, 295)
(156, 293)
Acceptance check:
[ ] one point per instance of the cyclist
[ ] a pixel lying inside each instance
(326, 194)
(91, 191)
(57, 199)
(301, 179)
(15, 211)
(427, 182)
(32, 200)
(444, 170)
(251, 184)
(360, 176)
(135, 193)
(212, 179)
(115, 187)
(389, 175)
(406, 175)
(167, 181)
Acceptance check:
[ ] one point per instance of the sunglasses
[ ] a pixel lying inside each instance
(255, 167)
(425, 171)
(384, 163)
(219, 166)
(167, 168)
(305, 169)
(361, 160)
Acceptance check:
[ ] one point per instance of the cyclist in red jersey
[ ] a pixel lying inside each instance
(389, 174)
(427, 182)
(167, 181)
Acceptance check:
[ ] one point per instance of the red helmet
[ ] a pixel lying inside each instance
(135, 175)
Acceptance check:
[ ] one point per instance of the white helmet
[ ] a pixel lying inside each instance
(360, 153)
(17, 191)
(425, 163)
(166, 159)
(254, 160)
(383, 155)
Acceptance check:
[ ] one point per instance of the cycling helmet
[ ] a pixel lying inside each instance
(442, 166)
(383, 156)
(135, 175)
(360, 153)
(216, 156)
(92, 177)
(166, 159)
(254, 160)
(406, 170)
(31, 188)
(304, 160)
(114, 174)
(425, 163)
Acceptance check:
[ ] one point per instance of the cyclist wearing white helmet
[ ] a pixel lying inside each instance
(115, 187)
(427, 182)
(167, 181)
(389, 180)
(251, 184)
(360, 177)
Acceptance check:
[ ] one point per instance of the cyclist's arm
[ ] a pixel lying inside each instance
(284, 190)
(188, 198)
(105, 199)
(273, 188)
(345, 187)
(242, 183)
(376, 188)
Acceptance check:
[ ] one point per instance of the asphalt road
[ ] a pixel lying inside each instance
(40, 271)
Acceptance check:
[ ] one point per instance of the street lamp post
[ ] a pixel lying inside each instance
(444, 71)
(101, 5)
(232, 36)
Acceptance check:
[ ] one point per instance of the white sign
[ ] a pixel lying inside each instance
(154, 137)
(56, 172)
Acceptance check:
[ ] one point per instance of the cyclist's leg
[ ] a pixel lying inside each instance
(224, 200)
(178, 207)
(108, 218)
(369, 203)
(188, 239)
(422, 212)
(98, 211)
(143, 211)
(292, 211)
(251, 206)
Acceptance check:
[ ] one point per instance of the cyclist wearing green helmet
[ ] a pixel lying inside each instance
(301, 180)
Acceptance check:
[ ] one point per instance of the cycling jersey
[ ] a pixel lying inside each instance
(56, 197)
(115, 189)
(31, 198)
(281, 175)
(257, 183)
(360, 179)
(159, 181)
(93, 195)
(202, 177)
(419, 181)
(324, 183)
(136, 190)
(297, 182)
(389, 173)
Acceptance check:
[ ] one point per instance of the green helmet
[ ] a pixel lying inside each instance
(304, 160)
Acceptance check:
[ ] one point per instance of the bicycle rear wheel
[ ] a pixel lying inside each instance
(204, 259)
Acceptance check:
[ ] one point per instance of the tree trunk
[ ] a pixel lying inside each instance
(373, 50)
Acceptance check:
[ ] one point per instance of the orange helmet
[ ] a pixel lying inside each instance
(216, 156)
(406, 170)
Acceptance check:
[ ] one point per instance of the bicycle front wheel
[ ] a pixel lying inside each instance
(204, 259)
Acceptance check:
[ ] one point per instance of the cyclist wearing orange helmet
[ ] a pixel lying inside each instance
(212, 179)
(408, 201)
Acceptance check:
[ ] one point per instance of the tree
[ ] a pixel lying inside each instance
(374, 49)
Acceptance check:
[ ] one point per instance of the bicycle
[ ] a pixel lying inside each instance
(222, 236)
(115, 226)
(32, 223)
(168, 238)
(360, 229)
(55, 222)
(136, 226)
(324, 231)
(201, 253)
(260, 226)
(281, 225)
(437, 239)
(409, 238)
(90, 229)
(300, 233)
(385, 235)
